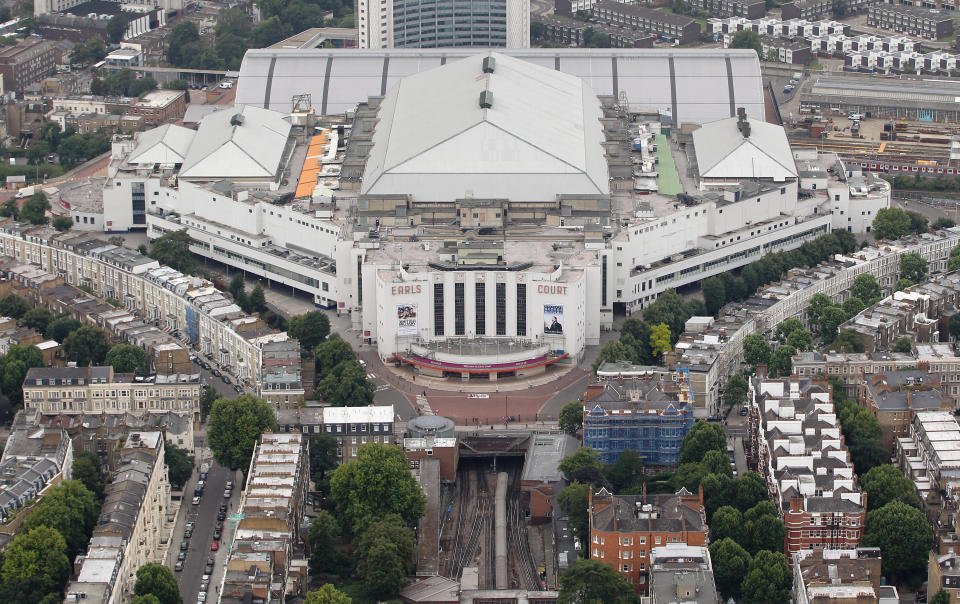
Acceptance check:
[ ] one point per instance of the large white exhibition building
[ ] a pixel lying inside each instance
(485, 215)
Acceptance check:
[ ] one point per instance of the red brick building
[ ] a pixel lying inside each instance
(624, 529)
(27, 62)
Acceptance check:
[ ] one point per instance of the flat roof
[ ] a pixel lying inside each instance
(357, 415)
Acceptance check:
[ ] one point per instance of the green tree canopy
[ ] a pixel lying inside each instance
(378, 482)
(913, 267)
(954, 326)
(584, 456)
(659, 339)
(614, 351)
(801, 340)
(257, 300)
(38, 318)
(787, 327)
(593, 582)
(626, 472)
(818, 302)
(885, 483)
(762, 529)
(730, 565)
(35, 564)
(903, 535)
(331, 353)
(390, 530)
(903, 344)
(13, 368)
(756, 350)
(35, 208)
(848, 340)
(748, 38)
(768, 579)
(62, 327)
(941, 597)
(781, 361)
(88, 344)
(127, 358)
(86, 469)
(70, 509)
(310, 329)
(702, 437)
(62, 223)
(116, 27)
(714, 295)
(157, 580)
(347, 385)
(179, 465)
(866, 287)
(208, 396)
(831, 319)
(173, 248)
(716, 462)
(570, 419)
(670, 309)
(852, 306)
(235, 427)
(727, 523)
(891, 223)
(13, 306)
(323, 461)
(327, 594)
(324, 530)
(575, 500)
(735, 392)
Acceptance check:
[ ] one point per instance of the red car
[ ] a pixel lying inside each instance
(214, 546)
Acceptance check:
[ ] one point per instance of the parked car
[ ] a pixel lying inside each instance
(743, 410)
(196, 501)
(229, 484)
(202, 596)
(181, 556)
(217, 534)
(178, 566)
(214, 546)
(204, 585)
(187, 533)
(227, 493)
(217, 373)
(238, 388)
(219, 525)
(183, 546)
(208, 569)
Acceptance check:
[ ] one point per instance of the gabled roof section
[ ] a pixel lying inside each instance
(245, 143)
(167, 144)
(723, 152)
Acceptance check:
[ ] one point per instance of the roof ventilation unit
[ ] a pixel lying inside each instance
(488, 64)
(486, 99)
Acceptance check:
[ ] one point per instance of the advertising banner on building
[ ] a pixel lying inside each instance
(553, 318)
(406, 319)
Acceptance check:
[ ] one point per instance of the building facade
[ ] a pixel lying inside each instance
(625, 529)
(354, 427)
(27, 62)
(648, 414)
(449, 23)
(920, 22)
(665, 25)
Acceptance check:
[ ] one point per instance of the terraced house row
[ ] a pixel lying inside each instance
(167, 298)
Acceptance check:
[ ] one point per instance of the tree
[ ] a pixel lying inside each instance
(583, 457)
(127, 358)
(38, 318)
(157, 580)
(918, 222)
(270, 31)
(716, 462)
(756, 350)
(13, 368)
(702, 437)
(69, 508)
(208, 396)
(184, 41)
(903, 344)
(903, 535)
(660, 339)
(831, 319)
(570, 419)
(35, 208)
(173, 248)
(91, 51)
(762, 529)
(955, 326)
(391, 529)
(748, 38)
(323, 534)
(913, 267)
(688, 476)
(11, 209)
(669, 308)
(612, 352)
(626, 472)
(730, 565)
(727, 523)
(257, 301)
(903, 284)
(714, 295)
(13, 306)
(60, 328)
(885, 483)
(310, 329)
(891, 223)
(86, 469)
(331, 353)
(781, 361)
(593, 582)
(381, 570)
(88, 344)
(323, 459)
(62, 223)
(785, 328)
(147, 599)
(941, 597)
(942, 223)
(327, 594)
(36, 564)
(852, 306)
(235, 426)
(116, 28)
(866, 288)
(768, 579)
(736, 390)
(378, 482)
(236, 286)
(848, 340)
(801, 340)
(179, 465)
(816, 306)
(347, 386)
(575, 501)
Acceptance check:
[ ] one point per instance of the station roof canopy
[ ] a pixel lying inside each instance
(696, 86)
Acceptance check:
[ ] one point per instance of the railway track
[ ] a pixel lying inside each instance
(521, 562)
(473, 520)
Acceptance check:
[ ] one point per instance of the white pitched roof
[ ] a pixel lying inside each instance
(723, 152)
(247, 142)
(356, 415)
(541, 136)
(167, 144)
